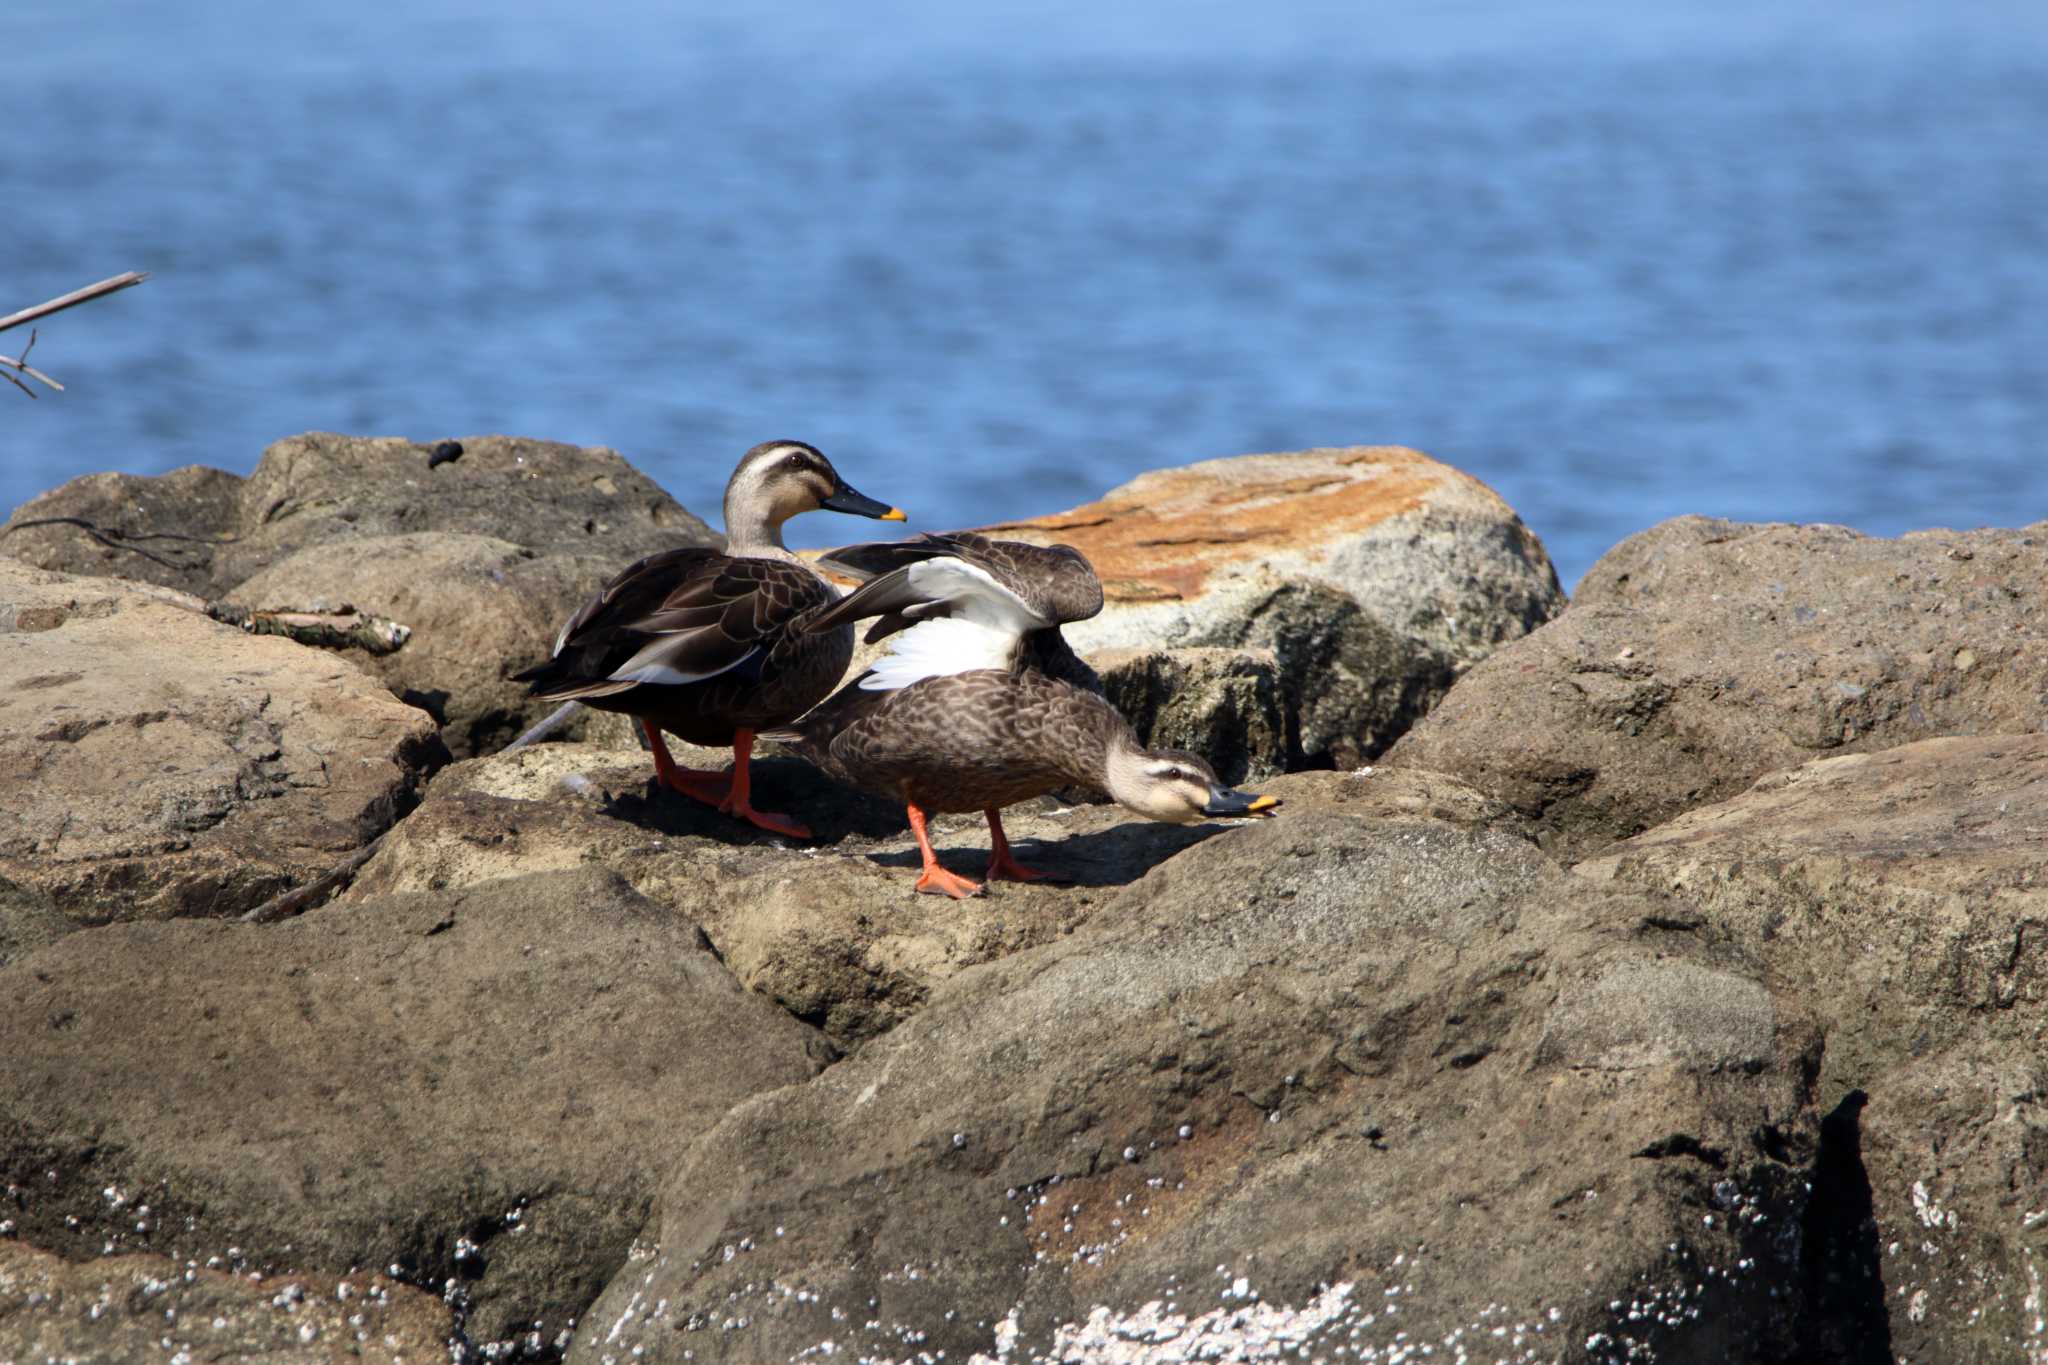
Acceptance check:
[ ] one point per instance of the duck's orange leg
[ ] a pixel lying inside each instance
(705, 786)
(936, 879)
(1000, 863)
(736, 802)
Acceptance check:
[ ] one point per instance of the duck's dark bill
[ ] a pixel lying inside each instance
(844, 499)
(1224, 801)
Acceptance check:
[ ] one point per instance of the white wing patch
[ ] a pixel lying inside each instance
(986, 625)
(648, 666)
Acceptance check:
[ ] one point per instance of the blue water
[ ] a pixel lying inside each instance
(1621, 262)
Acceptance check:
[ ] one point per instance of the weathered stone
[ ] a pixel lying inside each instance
(478, 1087)
(1320, 1081)
(480, 609)
(147, 1308)
(1223, 704)
(833, 930)
(158, 763)
(1904, 896)
(163, 529)
(28, 919)
(483, 557)
(1702, 654)
(542, 495)
(1374, 573)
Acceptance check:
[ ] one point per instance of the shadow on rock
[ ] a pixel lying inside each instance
(1841, 1265)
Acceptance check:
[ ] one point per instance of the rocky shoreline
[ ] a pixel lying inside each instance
(1655, 977)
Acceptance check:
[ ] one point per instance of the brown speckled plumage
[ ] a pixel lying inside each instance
(716, 645)
(744, 616)
(965, 741)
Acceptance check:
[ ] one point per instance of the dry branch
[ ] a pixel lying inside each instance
(19, 364)
(74, 298)
(313, 892)
(343, 628)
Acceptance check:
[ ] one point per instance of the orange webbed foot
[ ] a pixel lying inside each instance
(761, 819)
(936, 881)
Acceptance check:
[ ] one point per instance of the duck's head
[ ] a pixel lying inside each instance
(1179, 788)
(777, 480)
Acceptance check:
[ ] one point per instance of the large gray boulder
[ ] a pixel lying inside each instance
(1374, 573)
(477, 1091)
(1702, 654)
(1903, 895)
(833, 930)
(1325, 1081)
(483, 557)
(134, 1308)
(163, 529)
(158, 763)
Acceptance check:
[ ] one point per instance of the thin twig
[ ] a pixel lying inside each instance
(16, 382)
(113, 537)
(20, 362)
(313, 892)
(548, 726)
(74, 298)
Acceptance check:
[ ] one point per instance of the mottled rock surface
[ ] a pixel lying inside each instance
(159, 529)
(833, 930)
(1904, 895)
(1702, 654)
(483, 557)
(136, 1308)
(1374, 573)
(158, 763)
(1223, 704)
(480, 1087)
(1406, 1082)
(28, 920)
(548, 497)
(479, 608)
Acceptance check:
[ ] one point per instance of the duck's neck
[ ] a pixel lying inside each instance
(752, 533)
(1098, 747)
(1123, 773)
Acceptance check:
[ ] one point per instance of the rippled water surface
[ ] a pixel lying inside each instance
(1767, 261)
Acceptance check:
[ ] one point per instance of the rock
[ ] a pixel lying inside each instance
(1904, 895)
(159, 763)
(483, 557)
(542, 495)
(480, 609)
(1319, 1082)
(28, 920)
(1374, 573)
(479, 1087)
(1223, 704)
(136, 1308)
(831, 931)
(163, 529)
(1702, 654)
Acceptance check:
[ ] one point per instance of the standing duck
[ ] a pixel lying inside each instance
(959, 717)
(714, 646)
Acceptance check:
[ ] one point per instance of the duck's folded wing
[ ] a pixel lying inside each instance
(956, 617)
(675, 618)
(1054, 584)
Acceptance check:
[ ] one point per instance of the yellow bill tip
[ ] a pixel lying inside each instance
(894, 514)
(1264, 803)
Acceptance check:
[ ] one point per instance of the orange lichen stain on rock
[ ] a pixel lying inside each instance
(1163, 534)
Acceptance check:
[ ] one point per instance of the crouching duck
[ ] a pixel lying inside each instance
(716, 646)
(962, 714)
